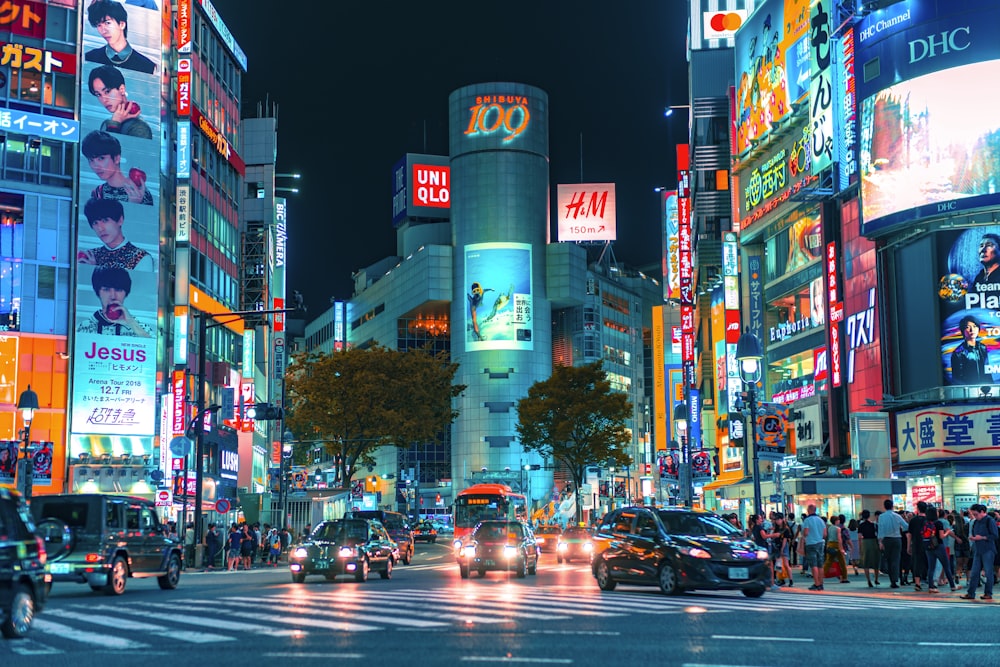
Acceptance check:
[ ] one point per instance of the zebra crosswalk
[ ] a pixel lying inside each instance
(296, 612)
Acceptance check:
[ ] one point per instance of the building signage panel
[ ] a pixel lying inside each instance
(432, 185)
(183, 231)
(421, 188)
(26, 58)
(847, 153)
(23, 17)
(184, 87)
(117, 314)
(183, 149)
(248, 354)
(755, 282)
(179, 396)
(821, 92)
(586, 212)
(218, 140)
(671, 266)
(499, 306)
(777, 176)
(26, 122)
(722, 24)
(505, 116)
(183, 26)
(948, 433)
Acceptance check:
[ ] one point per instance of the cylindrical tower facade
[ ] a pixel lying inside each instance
(501, 316)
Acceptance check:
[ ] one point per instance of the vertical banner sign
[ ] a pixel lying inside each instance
(836, 312)
(179, 393)
(248, 353)
(686, 273)
(117, 288)
(730, 283)
(821, 107)
(848, 153)
(183, 86)
(183, 149)
(183, 26)
(671, 249)
(756, 284)
(694, 420)
(183, 229)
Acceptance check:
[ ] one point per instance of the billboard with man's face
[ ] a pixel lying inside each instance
(969, 304)
(114, 386)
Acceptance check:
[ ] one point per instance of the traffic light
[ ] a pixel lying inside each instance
(716, 468)
(532, 466)
(648, 468)
(265, 412)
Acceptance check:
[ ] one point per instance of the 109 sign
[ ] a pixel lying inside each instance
(499, 113)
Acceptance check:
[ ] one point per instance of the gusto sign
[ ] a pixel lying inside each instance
(507, 114)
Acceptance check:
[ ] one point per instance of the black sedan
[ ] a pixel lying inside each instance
(574, 542)
(425, 532)
(345, 546)
(677, 549)
(498, 545)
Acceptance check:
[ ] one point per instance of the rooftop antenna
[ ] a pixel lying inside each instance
(581, 157)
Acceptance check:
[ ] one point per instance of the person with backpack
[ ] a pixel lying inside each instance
(274, 547)
(933, 535)
(835, 549)
(983, 536)
(915, 545)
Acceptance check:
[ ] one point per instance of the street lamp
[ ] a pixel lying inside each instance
(749, 356)
(286, 455)
(681, 423)
(27, 403)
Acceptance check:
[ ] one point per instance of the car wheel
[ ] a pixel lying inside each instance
(522, 567)
(408, 557)
(463, 571)
(433, 540)
(533, 568)
(169, 581)
(361, 575)
(482, 573)
(603, 575)
(19, 613)
(667, 579)
(298, 577)
(754, 592)
(387, 572)
(117, 577)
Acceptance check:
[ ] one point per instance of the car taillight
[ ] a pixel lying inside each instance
(42, 554)
(93, 558)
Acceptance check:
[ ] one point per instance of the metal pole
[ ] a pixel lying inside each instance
(29, 464)
(199, 449)
(752, 395)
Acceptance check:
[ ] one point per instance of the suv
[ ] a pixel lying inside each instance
(23, 580)
(102, 540)
(677, 549)
(395, 524)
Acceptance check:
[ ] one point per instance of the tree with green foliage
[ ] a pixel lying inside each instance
(576, 418)
(359, 400)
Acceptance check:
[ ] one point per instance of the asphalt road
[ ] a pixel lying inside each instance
(427, 615)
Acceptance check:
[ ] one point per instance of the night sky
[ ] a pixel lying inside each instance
(359, 84)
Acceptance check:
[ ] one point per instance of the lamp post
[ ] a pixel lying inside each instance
(27, 403)
(680, 423)
(286, 455)
(749, 355)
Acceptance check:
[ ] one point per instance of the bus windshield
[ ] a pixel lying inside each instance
(470, 510)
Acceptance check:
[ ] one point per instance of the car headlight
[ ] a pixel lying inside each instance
(457, 544)
(509, 551)
(539, 539)
(762, 554)
(695, 552)
(588, 546)
(562, 546)
(347, 552)
(301, 552)
(469, 551)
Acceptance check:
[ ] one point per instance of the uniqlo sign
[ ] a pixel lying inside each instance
(431, 185)
(184, 87)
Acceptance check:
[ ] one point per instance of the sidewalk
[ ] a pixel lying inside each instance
(857, 585)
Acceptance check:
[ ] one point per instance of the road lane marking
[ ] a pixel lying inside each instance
(141, 626)
(321, 656)
(202, 621)
(540, 661)
(756, 638)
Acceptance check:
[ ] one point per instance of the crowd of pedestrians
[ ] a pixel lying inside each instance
(928, 548)
(244, 547)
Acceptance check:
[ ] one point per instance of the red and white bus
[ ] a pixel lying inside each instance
(480, 502)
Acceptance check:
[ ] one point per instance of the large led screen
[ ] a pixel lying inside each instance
(929, 145)
(499, 297)
(114, 386)
(969, 295)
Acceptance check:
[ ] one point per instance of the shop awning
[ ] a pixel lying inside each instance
(846, 486)
(723, 482)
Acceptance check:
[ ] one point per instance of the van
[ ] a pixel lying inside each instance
(395, 524)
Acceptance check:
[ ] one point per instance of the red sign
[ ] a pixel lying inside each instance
(432, 185)
(276, 452)
(23, 17)
(732, 327)
(184, 87)
(180, 413)
(835, 354)
(821, 368)
(279, 318)
(218, 140)
(831, 281)
(184, 26)
(925, 492)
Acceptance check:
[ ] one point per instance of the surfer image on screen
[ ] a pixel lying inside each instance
(475, 297)
(968, 361)
(503, 299)
(112, 286)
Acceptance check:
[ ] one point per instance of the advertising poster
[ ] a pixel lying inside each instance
(772, 65)
(864, 348)
(8, 460)
(969, 305)
(499, 298)
(669, 463)
(114, 387)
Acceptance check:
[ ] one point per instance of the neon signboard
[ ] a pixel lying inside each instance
(587, 212)
(504, 114)
(218, 140)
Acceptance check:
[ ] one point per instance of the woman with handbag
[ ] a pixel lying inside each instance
(835, 549)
